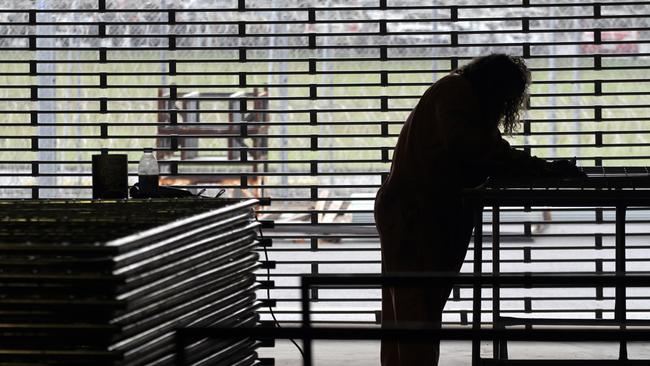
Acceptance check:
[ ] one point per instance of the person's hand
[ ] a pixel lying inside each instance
(564, 168)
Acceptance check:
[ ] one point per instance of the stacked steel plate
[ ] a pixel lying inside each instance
(107, 282)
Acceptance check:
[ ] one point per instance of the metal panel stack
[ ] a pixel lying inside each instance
(107, 282)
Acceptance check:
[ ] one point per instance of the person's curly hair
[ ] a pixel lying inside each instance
(501, 82)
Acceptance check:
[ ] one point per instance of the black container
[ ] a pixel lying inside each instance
(110, 176)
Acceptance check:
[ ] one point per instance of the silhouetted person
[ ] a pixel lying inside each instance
(450, 141)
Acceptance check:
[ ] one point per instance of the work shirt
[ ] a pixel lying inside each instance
(446, 144)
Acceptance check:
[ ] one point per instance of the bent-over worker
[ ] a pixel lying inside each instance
(450, 141)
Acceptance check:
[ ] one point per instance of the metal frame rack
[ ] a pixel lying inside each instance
(620, 188)
(106, 282)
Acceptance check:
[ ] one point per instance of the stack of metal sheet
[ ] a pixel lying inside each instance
(107, 282)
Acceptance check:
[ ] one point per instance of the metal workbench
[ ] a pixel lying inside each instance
(617, 187)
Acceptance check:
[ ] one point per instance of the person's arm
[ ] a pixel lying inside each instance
(506, 161)
(473, 145)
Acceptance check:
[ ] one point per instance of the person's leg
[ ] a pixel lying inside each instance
(460, 224)
(385, 226)
(389, 350)
(417, 306)
(412, 241)
(442, 247)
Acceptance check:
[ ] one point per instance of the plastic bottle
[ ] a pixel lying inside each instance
(148, 171)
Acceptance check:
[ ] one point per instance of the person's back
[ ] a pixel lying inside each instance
(442, 133)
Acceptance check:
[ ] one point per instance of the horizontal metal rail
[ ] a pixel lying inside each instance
(307, 333)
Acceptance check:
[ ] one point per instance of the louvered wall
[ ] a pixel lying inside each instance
(302, 101)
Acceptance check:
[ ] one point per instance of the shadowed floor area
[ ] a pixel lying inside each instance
(366, 353)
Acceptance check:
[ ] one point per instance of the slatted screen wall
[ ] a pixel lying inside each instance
(302, 101)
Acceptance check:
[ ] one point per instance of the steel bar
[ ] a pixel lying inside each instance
(621, 294)
(419, 332)
(476, 291)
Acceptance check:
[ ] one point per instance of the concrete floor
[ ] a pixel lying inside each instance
(366, 353)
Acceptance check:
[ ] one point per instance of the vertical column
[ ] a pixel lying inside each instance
(575, 99)
(499, 348)
(598, 135)
(168, 88)
(163, 53)
(552, 87)
(621, 295)
(46, 105)
(525, 52)
(282, 42)
(328, 79)
(313, 216)
(383, 80)
(238, 106)
(102, 94)
(453, 35)
(435, 40)
(598, 109)
(306, 322)
(476, 290)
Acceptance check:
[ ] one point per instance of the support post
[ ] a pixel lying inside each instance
(47, 167)
(621, 293)
(306, 322)
(499, 347)
(476, 293)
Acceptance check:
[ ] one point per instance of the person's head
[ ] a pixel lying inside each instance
(501, 82)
